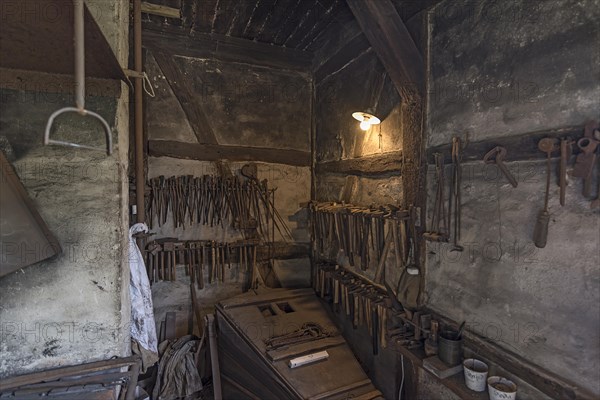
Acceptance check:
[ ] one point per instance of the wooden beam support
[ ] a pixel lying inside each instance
(160, 10)
(392, 42)
(380, 164)
(174, 40)
(522, 147)
(212, 152)
(43, 83)
(282, 251)
(189, 101)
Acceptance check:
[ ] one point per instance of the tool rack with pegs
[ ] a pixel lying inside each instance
(365, 234)
(216, 258)
(245, 204)
(368, 305)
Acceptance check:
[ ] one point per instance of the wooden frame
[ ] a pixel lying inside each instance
(18, 211)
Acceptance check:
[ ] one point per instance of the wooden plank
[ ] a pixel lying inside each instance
(280, 15)
(324, 22)
(225, 13)
(160, 10)
(211, 152)
(344, 56)
(181, 88)
(343, 389)
(522, 147)
(380, 164)
(57, 373)
(202, 15)
(260, 16)
(303, 348)
(173, 40)
(282, 251)
(268, 297)
(18, 79)
(392, 42)
(243, 18)
(23, 226)
(33, 42)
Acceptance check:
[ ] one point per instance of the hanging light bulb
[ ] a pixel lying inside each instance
(365, 125)
(366, 119)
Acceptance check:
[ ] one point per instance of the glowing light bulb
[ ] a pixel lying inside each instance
(365, 125)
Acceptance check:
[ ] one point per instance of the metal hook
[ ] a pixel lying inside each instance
(79, 41)
(83, 112)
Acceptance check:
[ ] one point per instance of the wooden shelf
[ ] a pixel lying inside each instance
(38, 36)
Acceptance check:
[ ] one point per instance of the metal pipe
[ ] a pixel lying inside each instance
(140, 181)
(79, 40)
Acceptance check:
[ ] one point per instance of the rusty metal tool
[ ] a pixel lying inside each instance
(497, 155)
(540, 232)
(439, 230)
(565, 151)
(455, 194)
(586, 160)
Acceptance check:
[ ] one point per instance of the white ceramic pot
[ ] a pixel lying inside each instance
(501, 388)
(475, 374)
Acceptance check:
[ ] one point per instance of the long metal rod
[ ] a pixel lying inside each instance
(140, 181)
(79, 56)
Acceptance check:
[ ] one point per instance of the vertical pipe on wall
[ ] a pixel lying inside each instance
(140, 181)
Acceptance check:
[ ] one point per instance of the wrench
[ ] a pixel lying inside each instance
(496, 155)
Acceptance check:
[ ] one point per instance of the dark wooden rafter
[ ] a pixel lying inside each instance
(392, 42)
(203, 15)
(242, 18)
(275, 19)
(263, 10)
(225, 48)
(188, 101)
(312, 16)
(321, 25)
(212, 152)
(226, 11)
(352, 50)
(289, 25)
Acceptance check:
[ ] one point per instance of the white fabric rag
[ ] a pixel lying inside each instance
(143, 328)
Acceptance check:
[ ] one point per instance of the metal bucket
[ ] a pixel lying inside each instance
(450, 349)
(476, 372)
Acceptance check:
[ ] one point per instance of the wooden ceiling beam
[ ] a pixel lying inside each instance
(225, 48)
(393, 44)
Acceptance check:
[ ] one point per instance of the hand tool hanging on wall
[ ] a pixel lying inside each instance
(439, 223)
(368, 305)
(497, 155)
(540, 232)
(455, 194)
(586, 160)
(565, 154)
(162, 257)
(211, 200)
(358, 231)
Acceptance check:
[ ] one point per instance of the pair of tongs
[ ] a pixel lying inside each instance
(79, 40)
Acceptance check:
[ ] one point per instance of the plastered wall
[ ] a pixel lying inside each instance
(73, 308)
(500, 69)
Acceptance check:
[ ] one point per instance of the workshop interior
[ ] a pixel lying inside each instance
(300, 199)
